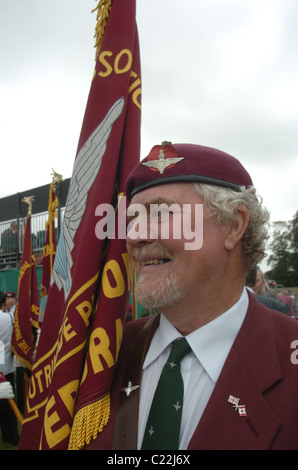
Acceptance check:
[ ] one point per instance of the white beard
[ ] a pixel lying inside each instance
(156, 292)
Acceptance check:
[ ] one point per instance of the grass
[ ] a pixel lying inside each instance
(5, 446)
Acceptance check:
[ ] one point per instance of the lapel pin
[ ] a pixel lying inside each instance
(235, 403)
(130, 388)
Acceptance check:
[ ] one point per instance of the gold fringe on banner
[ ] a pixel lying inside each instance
(88, 422)
(103, 10)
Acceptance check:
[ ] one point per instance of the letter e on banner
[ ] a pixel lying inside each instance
(67, 394)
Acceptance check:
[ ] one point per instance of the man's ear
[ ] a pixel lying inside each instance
(238, 229)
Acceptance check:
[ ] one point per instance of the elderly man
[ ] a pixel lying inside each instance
(235, 384)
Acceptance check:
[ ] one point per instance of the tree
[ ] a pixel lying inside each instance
(295, 244)
(284, 252)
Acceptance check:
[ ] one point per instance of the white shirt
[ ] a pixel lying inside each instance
(210, 346)
(6, 358)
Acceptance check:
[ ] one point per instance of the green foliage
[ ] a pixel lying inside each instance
(5, 446)
(284, 252)
(146, 312)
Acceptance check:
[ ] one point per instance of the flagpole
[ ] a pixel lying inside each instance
(22, 336)
(28, 200)
(16, 411)
(57, 178)
(12, 402)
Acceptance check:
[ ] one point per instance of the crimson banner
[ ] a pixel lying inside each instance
(49, 250)
(68, 401)
(26, 314)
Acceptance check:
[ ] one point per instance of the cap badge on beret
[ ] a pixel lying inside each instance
(160, 159)
(10, 294)
(172, 163)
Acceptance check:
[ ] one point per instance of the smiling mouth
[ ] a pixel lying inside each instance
(154, 262)
(153, 255)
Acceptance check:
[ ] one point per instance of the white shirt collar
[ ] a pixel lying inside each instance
(250, 289)
(211, 343)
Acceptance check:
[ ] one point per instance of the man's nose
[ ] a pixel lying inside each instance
(139, 231)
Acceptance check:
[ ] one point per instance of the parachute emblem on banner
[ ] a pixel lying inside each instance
(86, 167)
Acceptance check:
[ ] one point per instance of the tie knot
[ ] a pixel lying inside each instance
(180, 348)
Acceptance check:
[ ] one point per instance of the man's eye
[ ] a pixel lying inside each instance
(160, 215)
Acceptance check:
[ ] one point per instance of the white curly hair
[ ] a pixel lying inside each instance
(224, 203)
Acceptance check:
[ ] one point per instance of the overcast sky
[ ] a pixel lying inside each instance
(222, 73)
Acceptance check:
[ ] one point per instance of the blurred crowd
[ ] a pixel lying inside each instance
(270, 294)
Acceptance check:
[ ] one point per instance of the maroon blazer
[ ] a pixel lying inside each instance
(259, 370)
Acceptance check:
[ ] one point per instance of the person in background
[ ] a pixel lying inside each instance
(270, 302)
(287, 300)
(10, 306)
(10, 303)
(259, 286)
(8, 421)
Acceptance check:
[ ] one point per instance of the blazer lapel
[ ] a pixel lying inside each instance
(251, 368)
(126, 425)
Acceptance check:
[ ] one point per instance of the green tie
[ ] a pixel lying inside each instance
(163, 425)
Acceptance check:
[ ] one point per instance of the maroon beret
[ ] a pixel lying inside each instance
(171, 163)
(12, 295)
